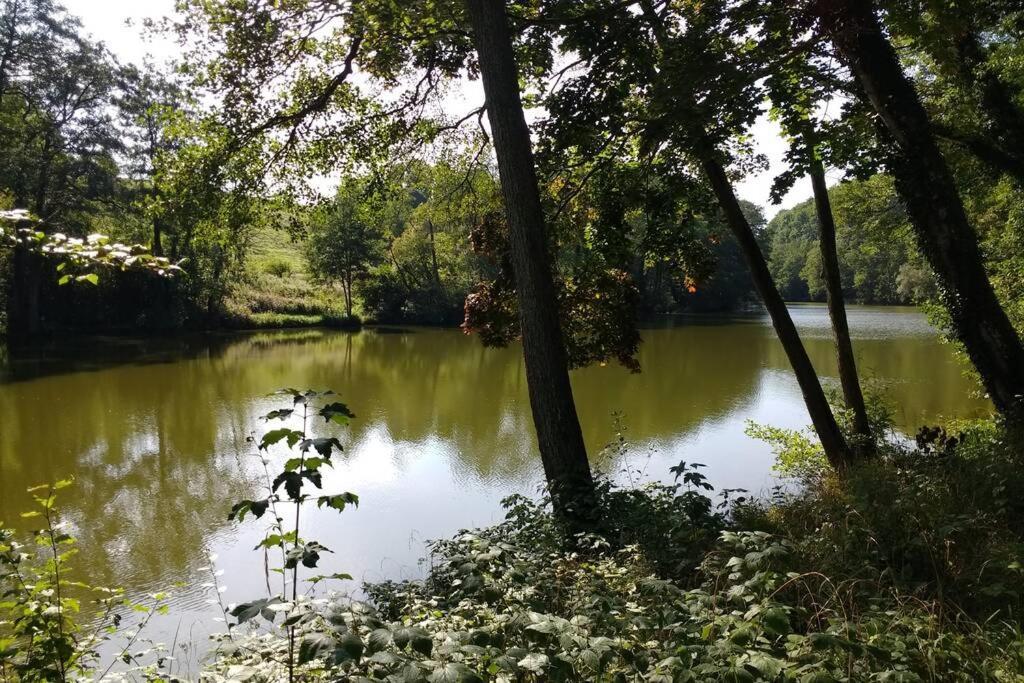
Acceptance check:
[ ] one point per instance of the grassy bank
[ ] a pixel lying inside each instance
(277, 291)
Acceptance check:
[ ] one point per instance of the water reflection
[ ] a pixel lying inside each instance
(155, 430)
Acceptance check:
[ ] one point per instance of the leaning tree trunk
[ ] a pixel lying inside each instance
(837, 306)
(547, 369)
(832, 441)
(937, 213)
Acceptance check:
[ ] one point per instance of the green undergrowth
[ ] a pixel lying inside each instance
(277, 291)
(906, 569)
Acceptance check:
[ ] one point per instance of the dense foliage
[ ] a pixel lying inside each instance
(879, 261)
(905, 571)
(885, 561)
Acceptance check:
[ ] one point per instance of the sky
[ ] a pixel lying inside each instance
(106, 20)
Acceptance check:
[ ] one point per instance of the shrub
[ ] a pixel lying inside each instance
(278, 267)
(41, 636)
(511, 603)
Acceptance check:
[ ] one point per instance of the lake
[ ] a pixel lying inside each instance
(155, 433)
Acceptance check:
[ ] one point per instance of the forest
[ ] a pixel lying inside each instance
(559, 181)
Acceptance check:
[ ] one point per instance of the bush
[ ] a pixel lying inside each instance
(904, 570)
(941, 521)
(41, 636)
(278, 267)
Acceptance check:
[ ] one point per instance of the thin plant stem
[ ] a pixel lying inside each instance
(295, 569)
(61, 664)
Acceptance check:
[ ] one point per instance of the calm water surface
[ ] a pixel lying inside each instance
(154, 432)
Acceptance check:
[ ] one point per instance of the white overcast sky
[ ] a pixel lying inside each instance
(106, 21)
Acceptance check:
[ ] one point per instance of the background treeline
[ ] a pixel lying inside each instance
(93, 146)
(879, 261)
(139, 154)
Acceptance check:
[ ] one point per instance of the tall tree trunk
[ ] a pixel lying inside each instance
(158, 247)
(346, 286)
(559, 436)
(433, 255)
(837, 451)
(936, 210)
(25, 320)
(836, 304)
(832, 441)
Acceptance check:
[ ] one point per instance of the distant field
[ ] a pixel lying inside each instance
(278, 291)
(271, 246)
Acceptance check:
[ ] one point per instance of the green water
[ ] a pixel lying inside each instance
(154, 431)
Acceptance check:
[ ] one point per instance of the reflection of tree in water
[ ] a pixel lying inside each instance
(140, 441)
(919, 376)
(155, 431)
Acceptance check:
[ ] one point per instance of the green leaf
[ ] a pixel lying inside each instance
(535, 662)
(292, 484)
(323, 446)
(336, 412)
(454, 672)
(316, 646)
(776, 621)
(308, 555)
(256, 507)
(350, 647)
(386, 658)
(326, 577)
(379, 639)
(416, 638)
(248, 610)
(339, 501)
(276, 435)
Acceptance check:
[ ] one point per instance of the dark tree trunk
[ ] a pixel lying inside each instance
(547, 370)
(25, 320)
(837, 306)
(433, 255)
(158, 247)
(832, 442)
(926, 186)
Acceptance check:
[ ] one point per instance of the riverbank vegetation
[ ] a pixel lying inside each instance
(906, 568)
(885, 561)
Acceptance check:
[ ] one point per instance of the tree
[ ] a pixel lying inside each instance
(146, 103)
(875, 245)
(964, 50)
(55, 129)
(343, 243)
(675, 77)
(933, 202)
(794, 85)
(559, 436)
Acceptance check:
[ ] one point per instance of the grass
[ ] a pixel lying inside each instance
(277, 290)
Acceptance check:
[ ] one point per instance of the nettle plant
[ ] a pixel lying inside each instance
(43, 636)
(289, 487)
